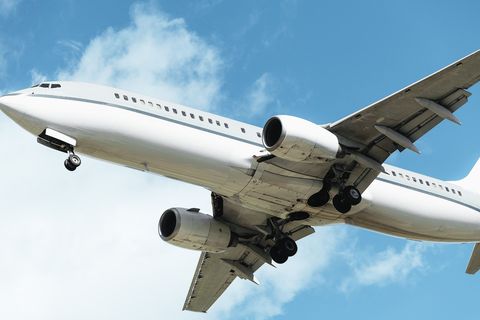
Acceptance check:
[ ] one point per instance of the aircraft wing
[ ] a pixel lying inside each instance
(216, 271)
(397, 121)
(474, 264)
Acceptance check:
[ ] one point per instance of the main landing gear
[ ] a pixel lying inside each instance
(72, 162)
(284, 247)
(343, 201)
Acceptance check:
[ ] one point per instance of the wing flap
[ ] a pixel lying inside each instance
(214, 274)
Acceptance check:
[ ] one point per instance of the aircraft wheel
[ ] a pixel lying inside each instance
(341, 203)
(289, 246)
(352, 195)
(74, 160)
(69, 166)
(278, 254)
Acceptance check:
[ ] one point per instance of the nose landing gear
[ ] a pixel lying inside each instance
(72, 162)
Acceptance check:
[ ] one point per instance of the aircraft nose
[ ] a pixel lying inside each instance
(5, 106)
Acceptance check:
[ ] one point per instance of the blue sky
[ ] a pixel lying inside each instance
(247, 60)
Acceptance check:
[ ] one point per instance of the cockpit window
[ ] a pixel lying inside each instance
(36, 85)
(48, 85)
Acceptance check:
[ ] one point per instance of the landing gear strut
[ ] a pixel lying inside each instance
(72, 162)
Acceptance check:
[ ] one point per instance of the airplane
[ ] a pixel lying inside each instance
(269, 186)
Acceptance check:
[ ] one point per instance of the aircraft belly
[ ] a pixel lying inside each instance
(412, 214)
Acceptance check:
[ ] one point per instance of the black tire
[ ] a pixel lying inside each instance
(341, 203)
(74, 160)
(278, 254)
(289, 246)
(319, 199)
(352, 195)
(69, 166)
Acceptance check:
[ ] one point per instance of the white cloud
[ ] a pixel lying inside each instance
(83, 244)
(7, 6)
(386, 267)
(259, 96)
(155, 55)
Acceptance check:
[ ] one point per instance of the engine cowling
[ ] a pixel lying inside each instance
(188, 228)
(297, 139)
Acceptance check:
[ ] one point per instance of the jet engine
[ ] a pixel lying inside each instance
(296, 139)
(191, 229)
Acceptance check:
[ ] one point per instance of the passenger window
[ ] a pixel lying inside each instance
(414, 179)
(184, 114)
(446, 188)
(167, 109)
(150, 104)
(453, 191)
(259, 134)
(218, 123)
(226, 125)
(117, 95)
(434, 184)
(174, 110)
(408, 177)
(394, 174)
(400, 175)
(125, 98)
(427, 183)
(440, 186)
(243, 130)
(134, 99)
(159, 106)
(420, 180)
(192, 116)
(460, 193)
(142, 101)
(200, 117)
(210, 121)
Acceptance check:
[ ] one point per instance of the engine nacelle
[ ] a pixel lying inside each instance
(296, 139)
(194, 230)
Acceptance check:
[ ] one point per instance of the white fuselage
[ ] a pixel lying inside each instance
(219, 154)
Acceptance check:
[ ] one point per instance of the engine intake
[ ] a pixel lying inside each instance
(297, 139)
(194, 230)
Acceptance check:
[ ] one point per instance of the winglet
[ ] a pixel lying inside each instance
(474, 264)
